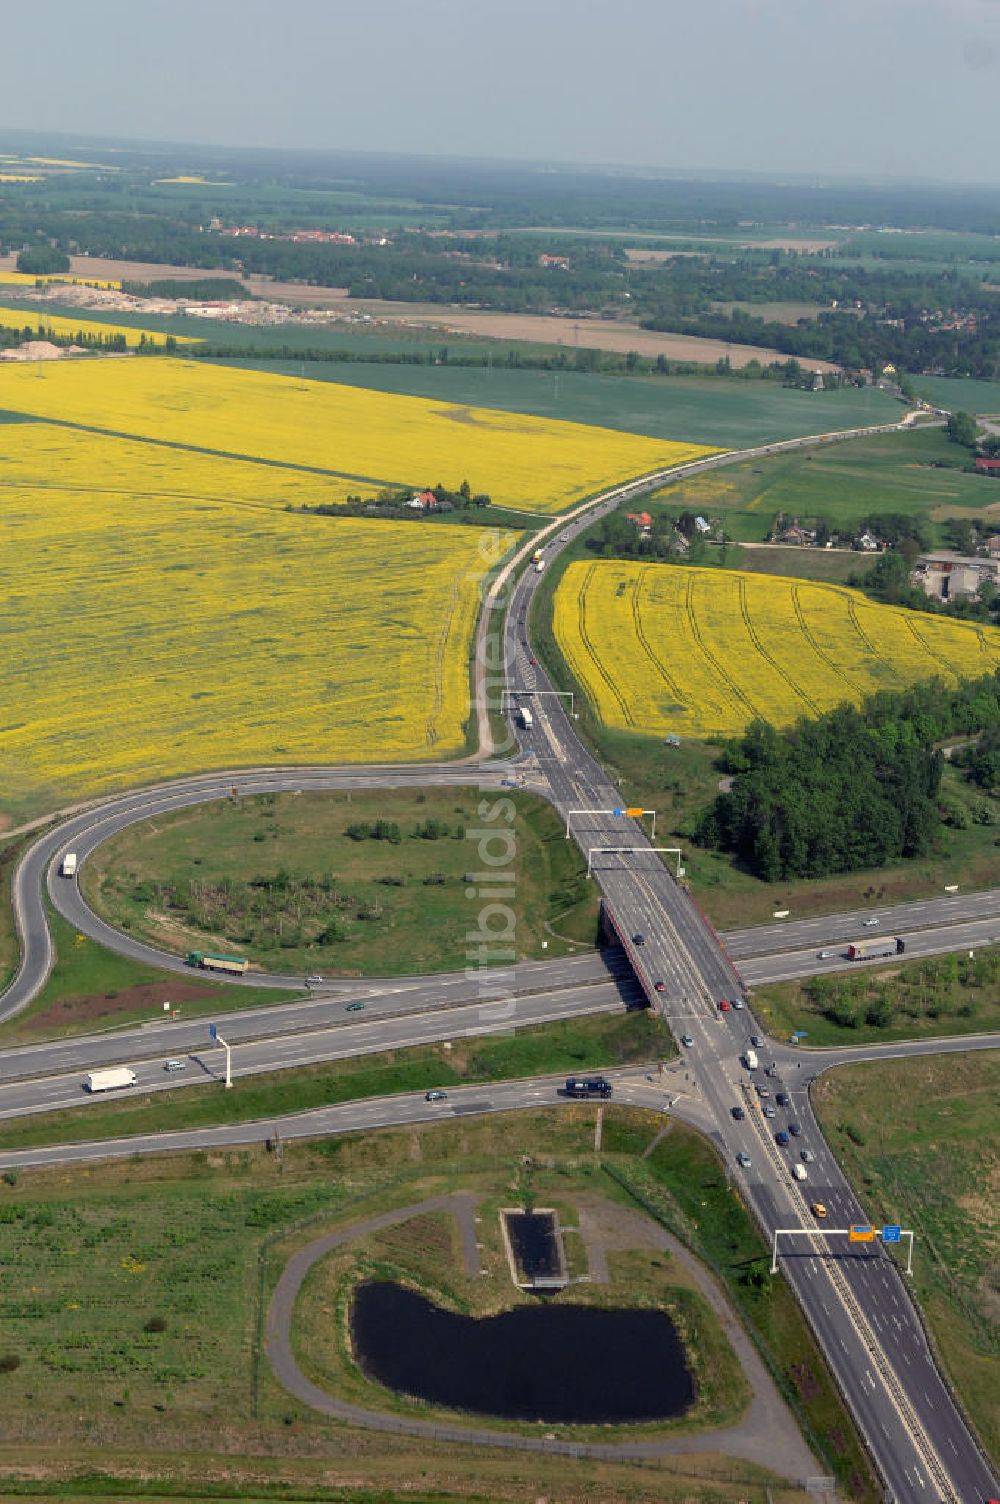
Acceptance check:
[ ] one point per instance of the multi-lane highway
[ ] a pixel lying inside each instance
(858, 1306)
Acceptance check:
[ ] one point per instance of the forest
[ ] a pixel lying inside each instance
(853, 789)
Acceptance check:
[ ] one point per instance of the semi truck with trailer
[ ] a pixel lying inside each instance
(68, 865)
(236, 965)
(110, 1080)
(750, 1059)
(588, 1086)
(867, 950)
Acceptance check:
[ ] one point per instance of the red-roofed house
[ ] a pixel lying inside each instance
(424, 501)
(641, 519)
(987, 466)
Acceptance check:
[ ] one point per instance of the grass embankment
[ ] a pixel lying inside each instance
(931, 1163)
(940, 995)
(158, 1273)
(568, 1046)
(91, 989)
(678, 782)
(371, 882)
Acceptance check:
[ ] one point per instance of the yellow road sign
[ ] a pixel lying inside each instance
(862, 1234)
(634, 814)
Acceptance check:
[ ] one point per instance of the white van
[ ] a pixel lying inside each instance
(800, 1172)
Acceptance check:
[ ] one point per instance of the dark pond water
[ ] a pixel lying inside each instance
(533, 1240)
(545, 1362)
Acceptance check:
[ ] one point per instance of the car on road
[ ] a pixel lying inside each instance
(316, 981)
(808, 1156)
(795, 1129)
(870, 924)
(818, 1210)
(435, 1096)
(174, 1065)
(659, 987)
(723, 1005)
(738, 1114)
(824, 955)
(800, 1172)
(781, 1098)
(769, 1111)
(772, 1071)
(743, 1160)
(756, 1041)
(687, 1041)
(738, 1004)
(761, 1089)
(639, 939)
(781, 1137)
(354, 1007)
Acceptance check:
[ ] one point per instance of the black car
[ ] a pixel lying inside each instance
(795, 1129)
(781, 1098)
(639, 939)
(739, 1114)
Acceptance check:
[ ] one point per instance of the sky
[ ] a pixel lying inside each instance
(848, 88)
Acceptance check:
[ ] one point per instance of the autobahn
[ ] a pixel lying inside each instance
(912, 1426)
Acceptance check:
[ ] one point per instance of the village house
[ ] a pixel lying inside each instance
(988, 466)
(424, 501)
(642, 520)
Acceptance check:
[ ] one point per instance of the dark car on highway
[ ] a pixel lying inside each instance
(795, 1129)
(781, 1137)
(739, 1114)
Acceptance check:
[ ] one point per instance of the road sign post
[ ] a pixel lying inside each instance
(593, 851)
(216, 1038)
(859, 1232)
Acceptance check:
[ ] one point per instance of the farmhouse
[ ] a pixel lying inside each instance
(424, 501)
(993, 546)
(642, 520)
(986, 466)
(946, 577)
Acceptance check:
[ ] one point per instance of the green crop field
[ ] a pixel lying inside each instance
(314, 882)
(931, 1164)
(960, 396)
(700, 410)
(842, 483)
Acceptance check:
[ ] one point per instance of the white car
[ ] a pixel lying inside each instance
(871, 924)
(174, 1065)
(824, 955)
(808, 1156)
(800, 1172)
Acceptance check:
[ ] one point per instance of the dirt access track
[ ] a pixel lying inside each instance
(543, 329)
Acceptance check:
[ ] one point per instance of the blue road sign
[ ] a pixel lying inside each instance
(801, 1034)
(890, 1233)
(618, 813)
(213, 1032)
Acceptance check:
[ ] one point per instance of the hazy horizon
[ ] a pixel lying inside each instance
(860, 90)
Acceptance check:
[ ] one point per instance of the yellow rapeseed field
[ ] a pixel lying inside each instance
(527, 462)
(28, 279)
(699, 652)
(93, 466)
(66, 327)
(142, 637)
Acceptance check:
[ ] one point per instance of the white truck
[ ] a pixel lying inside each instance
(68, 864)
(539, 565)
(527, 721)
(111, 1080)
(750, 1060)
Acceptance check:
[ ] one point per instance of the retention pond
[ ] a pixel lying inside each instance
(565, 1363)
